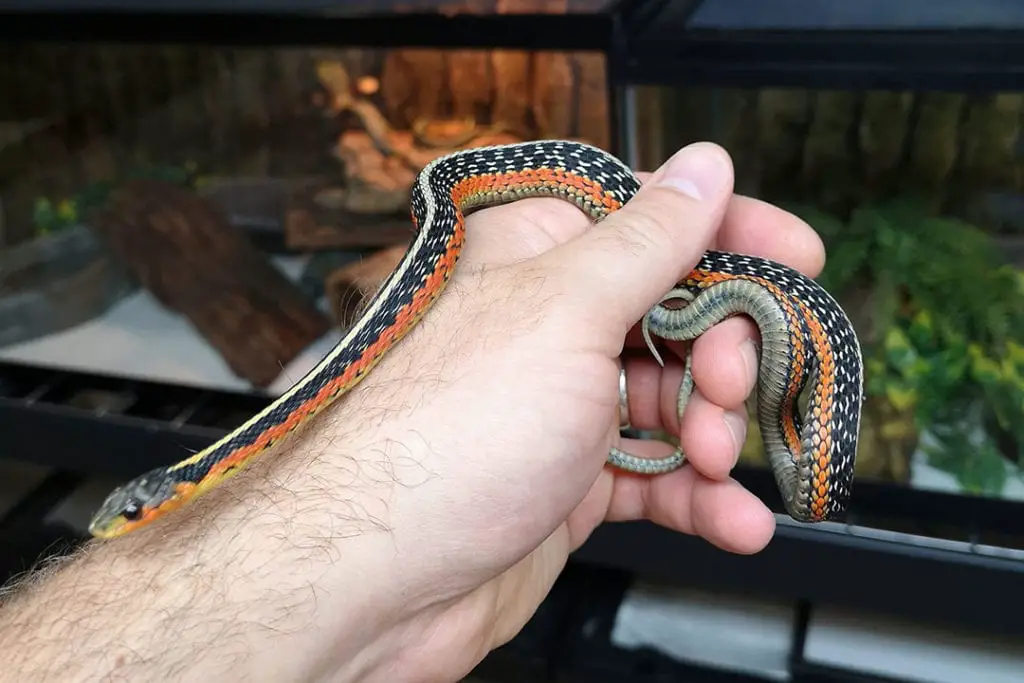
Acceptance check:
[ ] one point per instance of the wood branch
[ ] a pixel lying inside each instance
(413, 85)
(556, 95)
(511, 104)
(592, 120)
(196, 263)
(372, 209)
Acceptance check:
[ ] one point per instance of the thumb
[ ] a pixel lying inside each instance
(626, 263)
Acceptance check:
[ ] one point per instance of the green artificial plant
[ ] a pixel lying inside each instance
(941, 326)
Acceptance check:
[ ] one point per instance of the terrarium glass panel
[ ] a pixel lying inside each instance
(917, 196)
(215, 216)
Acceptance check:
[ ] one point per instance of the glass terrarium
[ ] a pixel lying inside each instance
(917, 195)
(159, 201)
(190, 213)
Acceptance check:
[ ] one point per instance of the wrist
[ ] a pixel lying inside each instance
(287, 572)
(337, 500)
(317, 522)
(394, 581)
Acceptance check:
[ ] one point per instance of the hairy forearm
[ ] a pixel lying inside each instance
(272, 577)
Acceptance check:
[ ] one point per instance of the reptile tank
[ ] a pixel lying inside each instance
(197, 199)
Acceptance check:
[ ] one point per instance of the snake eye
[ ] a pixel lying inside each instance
(132, 511)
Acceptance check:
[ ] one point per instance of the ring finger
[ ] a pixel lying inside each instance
(710, 435)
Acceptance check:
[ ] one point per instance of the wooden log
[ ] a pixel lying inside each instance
(511, 104)
(555, 99)
(881, 139)
(933, 148)
(310, 225)
(472, 83)
(413, 85)
(372, 208)
(593, 120)
(196, 263)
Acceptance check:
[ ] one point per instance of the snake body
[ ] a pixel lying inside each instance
(805, 336)
(806, 340)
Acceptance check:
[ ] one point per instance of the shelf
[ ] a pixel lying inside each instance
(138, 424)
(129, 426)
(697, 43)
(101, 425)
(885, 572)
(569, 637)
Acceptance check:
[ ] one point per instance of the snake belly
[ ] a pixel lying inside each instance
(807, 344)
(444, 192)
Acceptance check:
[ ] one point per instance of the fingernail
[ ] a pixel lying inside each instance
(748, 350)
(737, 425)
(701, 170)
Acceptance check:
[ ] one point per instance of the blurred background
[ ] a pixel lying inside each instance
(196, 196)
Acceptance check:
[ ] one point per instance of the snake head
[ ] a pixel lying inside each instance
(133, 504)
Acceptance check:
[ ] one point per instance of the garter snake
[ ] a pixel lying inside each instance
(806, 339)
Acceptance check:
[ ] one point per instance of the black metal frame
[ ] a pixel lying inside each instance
(660, 46)
(926, 541)
(570, 639)
(974, 61)
(893, 576)
(654, 44)
(289, 26)
(162, 422)
(40, 501)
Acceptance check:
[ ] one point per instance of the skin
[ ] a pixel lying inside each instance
(420, 522)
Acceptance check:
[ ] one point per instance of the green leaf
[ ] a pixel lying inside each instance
(901, 396)
(978, 467)
(899, 352)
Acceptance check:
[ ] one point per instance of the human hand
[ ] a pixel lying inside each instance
(496, 414)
